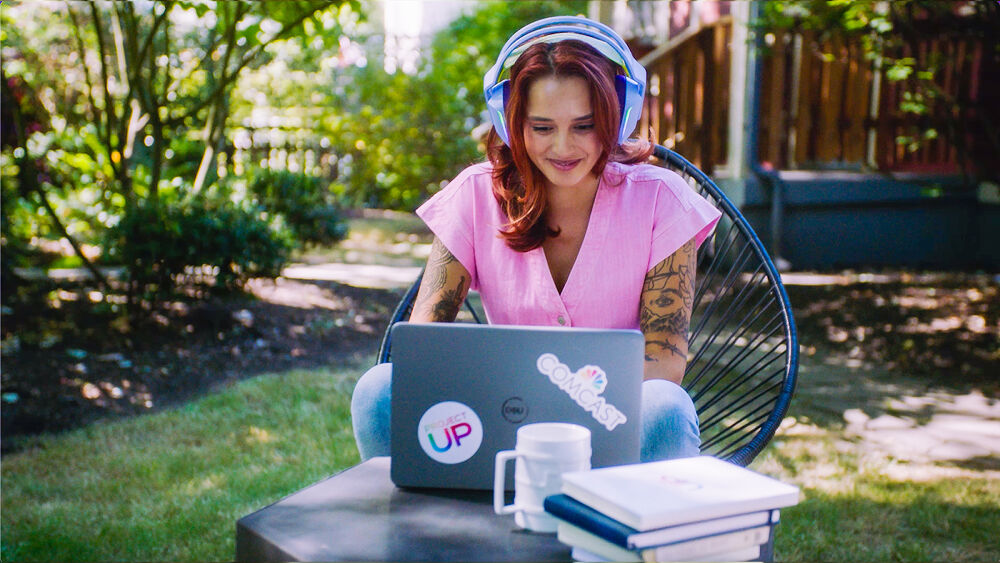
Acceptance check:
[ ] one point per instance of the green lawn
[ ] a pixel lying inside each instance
(170, 486)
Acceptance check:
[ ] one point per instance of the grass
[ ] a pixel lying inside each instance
(860, 506)
(170, 486)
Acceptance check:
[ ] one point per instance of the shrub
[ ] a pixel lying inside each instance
(162, 245)
(305, 202)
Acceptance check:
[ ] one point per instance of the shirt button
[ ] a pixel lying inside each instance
(561, 319)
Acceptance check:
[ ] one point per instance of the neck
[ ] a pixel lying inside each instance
(567, 199)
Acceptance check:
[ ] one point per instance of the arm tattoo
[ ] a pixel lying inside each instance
(446, 309)
(667, 299)
(437, 264)
(438, 302)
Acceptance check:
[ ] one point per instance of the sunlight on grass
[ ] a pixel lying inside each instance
(170, 486)
(858, 504)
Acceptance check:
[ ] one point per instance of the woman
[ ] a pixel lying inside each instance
(563, 226)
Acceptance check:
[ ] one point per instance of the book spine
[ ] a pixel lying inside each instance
(697, 530)
(586, 518)
(708, 546)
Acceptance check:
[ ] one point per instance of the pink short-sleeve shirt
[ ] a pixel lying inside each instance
(641, 215)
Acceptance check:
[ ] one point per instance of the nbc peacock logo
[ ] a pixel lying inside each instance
(593, 377)
(450, 432)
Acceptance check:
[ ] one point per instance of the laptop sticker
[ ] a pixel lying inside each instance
(584, 386)
(450, 432)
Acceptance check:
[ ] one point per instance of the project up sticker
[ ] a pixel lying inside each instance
(450, 432)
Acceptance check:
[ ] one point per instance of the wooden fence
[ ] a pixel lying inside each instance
(823, 104)
(687, 102)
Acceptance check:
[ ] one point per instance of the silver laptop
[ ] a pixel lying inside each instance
(460, 391)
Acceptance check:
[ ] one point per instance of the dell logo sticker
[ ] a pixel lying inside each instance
(514, 410)
(450, 432)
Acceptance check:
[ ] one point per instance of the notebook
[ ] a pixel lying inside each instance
(460, 391)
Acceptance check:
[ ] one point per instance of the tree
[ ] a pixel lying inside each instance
(137, 97)
(399, 137)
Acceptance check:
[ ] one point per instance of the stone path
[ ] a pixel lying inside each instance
(360, 275)
(934, 428)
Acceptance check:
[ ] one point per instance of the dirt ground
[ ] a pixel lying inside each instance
(64, 366)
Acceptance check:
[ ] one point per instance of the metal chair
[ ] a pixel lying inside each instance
(742, 350)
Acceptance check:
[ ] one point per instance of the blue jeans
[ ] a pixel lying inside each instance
(669, 421)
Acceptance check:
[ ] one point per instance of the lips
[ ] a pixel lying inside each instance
(564, 165)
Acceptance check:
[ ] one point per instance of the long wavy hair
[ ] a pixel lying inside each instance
(518, 186)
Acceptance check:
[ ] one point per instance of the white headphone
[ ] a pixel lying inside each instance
(630, 87)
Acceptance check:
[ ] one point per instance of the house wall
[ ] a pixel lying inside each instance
(842, 220)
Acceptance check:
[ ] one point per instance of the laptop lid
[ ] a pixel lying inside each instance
(460, 391)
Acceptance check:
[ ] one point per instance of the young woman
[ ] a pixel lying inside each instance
(564, 225)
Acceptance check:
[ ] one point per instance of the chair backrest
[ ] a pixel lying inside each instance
(742, 349)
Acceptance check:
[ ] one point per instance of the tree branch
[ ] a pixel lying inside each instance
(246, 60)
(109, 103)
(95, 115)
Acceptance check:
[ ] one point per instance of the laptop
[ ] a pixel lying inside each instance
(460, 391)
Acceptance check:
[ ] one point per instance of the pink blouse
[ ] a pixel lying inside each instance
(642, 214)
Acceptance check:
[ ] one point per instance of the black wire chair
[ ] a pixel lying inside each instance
(742, 350)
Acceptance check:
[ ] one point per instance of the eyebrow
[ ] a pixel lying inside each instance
(587, 117)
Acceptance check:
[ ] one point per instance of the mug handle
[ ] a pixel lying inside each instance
(499, 479)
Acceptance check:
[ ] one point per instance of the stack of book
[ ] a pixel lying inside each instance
(692, 509)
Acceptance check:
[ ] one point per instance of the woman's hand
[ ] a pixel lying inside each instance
(443, 288)
(665, 314)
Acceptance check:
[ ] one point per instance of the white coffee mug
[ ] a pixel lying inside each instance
(543, 452)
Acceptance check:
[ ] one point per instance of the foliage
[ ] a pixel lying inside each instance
(118, 105)
(888, 32)
(396, 137)
(305, 202)
(167, 241)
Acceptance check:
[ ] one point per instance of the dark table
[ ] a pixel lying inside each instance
(359, 515)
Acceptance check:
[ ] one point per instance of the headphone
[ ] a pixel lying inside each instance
(630, 87)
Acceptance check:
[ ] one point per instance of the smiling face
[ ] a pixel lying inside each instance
(559, 134)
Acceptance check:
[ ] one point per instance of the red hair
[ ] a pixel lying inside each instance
(518, 185)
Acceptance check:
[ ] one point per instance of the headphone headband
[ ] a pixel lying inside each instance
(630, 87)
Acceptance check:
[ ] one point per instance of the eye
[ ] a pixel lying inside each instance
(540, 128)
(585, 127)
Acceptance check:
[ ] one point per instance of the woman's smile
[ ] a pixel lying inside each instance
(565, 165)
(559, 133)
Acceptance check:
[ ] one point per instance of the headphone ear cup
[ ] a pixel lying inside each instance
(622, 96)
(496, 107)
(630, 95)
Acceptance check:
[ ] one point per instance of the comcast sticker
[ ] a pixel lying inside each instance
(450, 432)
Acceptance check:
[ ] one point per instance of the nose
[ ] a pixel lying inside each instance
(562, 141)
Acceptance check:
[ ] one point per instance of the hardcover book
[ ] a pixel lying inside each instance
(646, 496)
(582, 516)
(736, 546)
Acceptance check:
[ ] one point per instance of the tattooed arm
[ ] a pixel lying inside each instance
(665, 314)
(443, 288)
